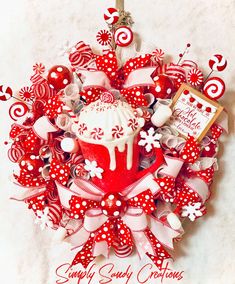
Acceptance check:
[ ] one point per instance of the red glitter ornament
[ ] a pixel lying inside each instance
(164, 87)
(113, 205)
(59, 77)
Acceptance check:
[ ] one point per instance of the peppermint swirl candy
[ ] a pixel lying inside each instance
(157, 55)
(123, 36)
(18, 110)
(214, 88)
(107, 97)
(217, 62)
(39, 68)
(5, 93)
(111, 16)
(195, 77)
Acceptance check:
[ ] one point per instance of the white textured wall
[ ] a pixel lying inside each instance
(30, 31)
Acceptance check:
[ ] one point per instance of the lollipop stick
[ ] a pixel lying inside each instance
(20, 100)
(208, 75)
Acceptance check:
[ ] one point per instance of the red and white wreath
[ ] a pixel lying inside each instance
(93, 157)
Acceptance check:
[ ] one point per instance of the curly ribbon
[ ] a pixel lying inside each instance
(63, 121)
(145, 236)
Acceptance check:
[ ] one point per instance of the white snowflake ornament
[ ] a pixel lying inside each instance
(192, 211)
(149, 139)
(43, 219)
(93, 169)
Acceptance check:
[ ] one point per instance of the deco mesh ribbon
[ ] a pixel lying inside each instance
(83, 122)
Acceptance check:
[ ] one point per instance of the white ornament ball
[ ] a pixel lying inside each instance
(69, 145)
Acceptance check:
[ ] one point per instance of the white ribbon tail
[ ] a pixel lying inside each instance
(140, 77)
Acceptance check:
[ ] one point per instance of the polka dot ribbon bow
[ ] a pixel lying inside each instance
(130, 80)
(121, 221)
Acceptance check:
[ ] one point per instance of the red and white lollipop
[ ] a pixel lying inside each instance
(111, 16)
(217, 62)
(123, 36)
(18, 110)
(5, 93)
(195, 77)
(214, 88)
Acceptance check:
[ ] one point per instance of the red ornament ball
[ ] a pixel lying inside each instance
(164, 87)
(31, 164)
(59, 77)
(113, 204)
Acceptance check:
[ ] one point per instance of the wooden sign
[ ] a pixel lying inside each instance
(193, 113)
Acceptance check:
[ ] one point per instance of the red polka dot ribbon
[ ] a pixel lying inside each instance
(113, 220)
(108, 64)
(191, 150)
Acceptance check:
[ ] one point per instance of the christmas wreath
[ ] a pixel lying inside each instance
(117, 149)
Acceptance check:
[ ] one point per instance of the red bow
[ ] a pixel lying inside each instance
(102, 228)
(108, 64)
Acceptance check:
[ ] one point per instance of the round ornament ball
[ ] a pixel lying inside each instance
(31, 164)
(164, 87)
(112, 204)
(59, 77)
(69, 145)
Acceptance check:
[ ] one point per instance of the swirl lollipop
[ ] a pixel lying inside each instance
(217, 62)
(123, 36)
(214, 88)
(18, 110)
